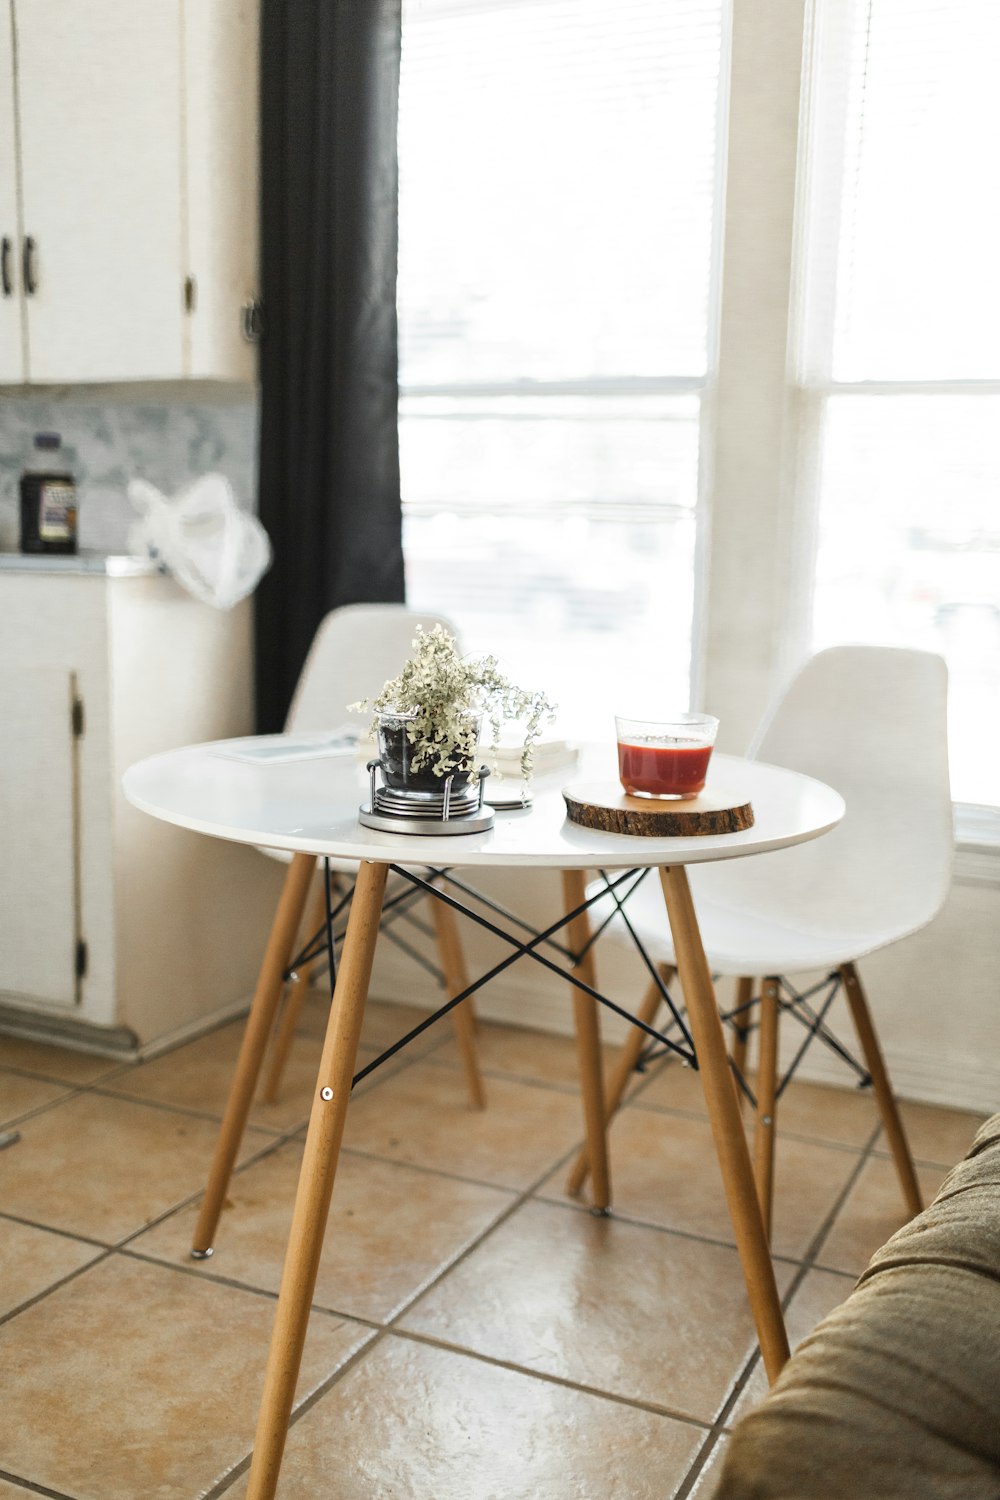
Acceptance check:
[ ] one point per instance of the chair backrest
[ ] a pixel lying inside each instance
(355, 650)
(870, 721)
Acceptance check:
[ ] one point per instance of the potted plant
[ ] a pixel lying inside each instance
(428, 720)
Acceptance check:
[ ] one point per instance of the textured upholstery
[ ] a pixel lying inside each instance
(896, 1395)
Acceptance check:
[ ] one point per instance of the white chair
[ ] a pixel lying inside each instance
(355, 650)
(871, 722)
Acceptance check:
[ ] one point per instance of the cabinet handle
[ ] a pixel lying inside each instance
(28, 266)
(252, 320)
(6, 281)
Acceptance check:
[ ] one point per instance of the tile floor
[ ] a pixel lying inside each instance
(475, 1333)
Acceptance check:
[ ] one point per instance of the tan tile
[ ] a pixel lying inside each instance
(819, 1293)
(33, 1259)
(516, 1053)
(54, 1062)
(664, 1171)
(392, 1229)
(134, 1379)
(409, 1420)
(19, 1094)
(104, 1167)
(14, 1491)
(198, 1076)
(383, 1024)
(938, 1135)
(628, 1310)
(670, 1085)
(840, 1116)
(873, 1211)
(422, 1116)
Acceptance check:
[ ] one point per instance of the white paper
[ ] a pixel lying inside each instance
(275, 751)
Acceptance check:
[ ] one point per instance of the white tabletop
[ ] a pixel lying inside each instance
(311, 806)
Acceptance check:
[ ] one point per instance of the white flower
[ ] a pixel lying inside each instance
(445, 693)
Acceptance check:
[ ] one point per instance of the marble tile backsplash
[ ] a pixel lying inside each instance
(108, 442)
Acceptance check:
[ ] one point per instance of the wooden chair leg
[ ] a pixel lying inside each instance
(624, 1068)
(316, 1178)
(741, 1033)
(724, 1117)
(588, 1045)
(767, 1090)
(289, 1018)
(457, 979)
(886, 1100)
(258, 1029)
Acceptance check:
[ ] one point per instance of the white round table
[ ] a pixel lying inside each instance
(309, 808)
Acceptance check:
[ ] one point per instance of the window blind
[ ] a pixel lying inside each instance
(902, 354)
(557, 174)
(915, 138)
(558, 187)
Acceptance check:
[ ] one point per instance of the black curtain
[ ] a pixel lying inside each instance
(329, 453)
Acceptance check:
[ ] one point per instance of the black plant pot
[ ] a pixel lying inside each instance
(395, 752)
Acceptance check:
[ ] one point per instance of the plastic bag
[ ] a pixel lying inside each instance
(215, 550)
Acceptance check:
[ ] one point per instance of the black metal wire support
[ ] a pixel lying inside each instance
(521, 949)
(414, 887)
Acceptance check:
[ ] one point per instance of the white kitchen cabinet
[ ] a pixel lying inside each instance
(116, 929)
(11, 334)
(137, 172)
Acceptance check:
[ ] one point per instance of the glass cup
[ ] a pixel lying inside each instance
(666, 758)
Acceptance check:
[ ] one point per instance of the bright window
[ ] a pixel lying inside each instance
(902, 346)
(556, 299)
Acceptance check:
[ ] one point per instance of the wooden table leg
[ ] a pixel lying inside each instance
(724, 1117)
(456, 979)
(624, 1068)
(588, 1044)
(258, 1029)
(315, 1189)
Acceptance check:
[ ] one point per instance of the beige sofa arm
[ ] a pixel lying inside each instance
(896, 1395)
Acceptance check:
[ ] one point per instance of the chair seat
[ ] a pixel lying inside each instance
(740, 940)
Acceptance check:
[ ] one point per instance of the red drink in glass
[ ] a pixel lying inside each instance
(673, 770)
(667, 758)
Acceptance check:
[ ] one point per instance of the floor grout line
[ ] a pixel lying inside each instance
(31, 1487)
(55, 1286)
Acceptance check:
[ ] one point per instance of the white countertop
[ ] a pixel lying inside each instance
(101, 563)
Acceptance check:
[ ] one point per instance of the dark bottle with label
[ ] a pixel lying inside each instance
(48, 500)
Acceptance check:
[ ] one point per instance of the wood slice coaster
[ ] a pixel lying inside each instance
(603, 805)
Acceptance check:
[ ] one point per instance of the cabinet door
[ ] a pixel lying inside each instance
(99, 95)
(39, 846)
(220, 96)
(11, 337)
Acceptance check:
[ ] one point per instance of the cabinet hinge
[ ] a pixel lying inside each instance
(77, 716)
(190, 293)
(81, 959)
